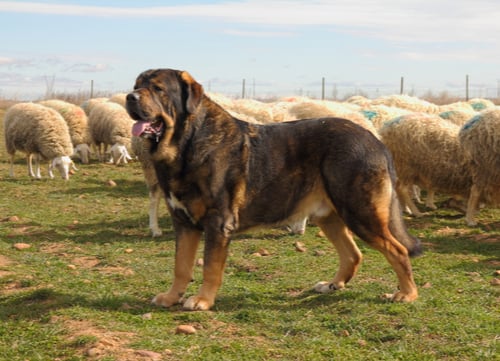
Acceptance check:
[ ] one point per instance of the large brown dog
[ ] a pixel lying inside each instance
(222, 175)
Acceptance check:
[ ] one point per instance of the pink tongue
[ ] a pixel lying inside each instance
(138, 128)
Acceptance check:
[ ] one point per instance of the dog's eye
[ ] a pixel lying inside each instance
(156, 88)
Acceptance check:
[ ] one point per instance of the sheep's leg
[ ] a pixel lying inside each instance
(406, 200)
(429, 200)
(29, 160)
(11, 171)
(416, 193)
(51, 167)
(472, 206)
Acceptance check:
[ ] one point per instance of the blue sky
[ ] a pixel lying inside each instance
(280, 47)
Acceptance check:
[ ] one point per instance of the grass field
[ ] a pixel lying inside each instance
(82, 289)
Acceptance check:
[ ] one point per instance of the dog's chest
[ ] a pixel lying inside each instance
(177, 205)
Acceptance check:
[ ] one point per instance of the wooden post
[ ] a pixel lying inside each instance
(401, 87)
(243, 90)
(91, 89)
(323, 88)
(467, 87)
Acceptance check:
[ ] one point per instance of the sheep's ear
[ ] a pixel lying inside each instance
(194, 91)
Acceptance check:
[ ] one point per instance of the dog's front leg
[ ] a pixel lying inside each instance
(216, 250)
(187, 241)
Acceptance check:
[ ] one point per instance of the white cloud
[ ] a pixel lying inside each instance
(88, 68)
(394, 20)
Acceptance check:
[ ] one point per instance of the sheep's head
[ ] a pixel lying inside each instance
(63, 164)
(83, 152)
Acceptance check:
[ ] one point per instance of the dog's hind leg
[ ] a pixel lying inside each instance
(349, 255)
(379, 223)
(185, 252)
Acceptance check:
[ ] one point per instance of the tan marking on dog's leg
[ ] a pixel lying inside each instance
(213, 270)
(382, 239)
(186, 246)
(397, 255)
(350, 256)
(472, 206)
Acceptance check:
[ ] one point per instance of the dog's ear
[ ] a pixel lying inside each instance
(194, 91)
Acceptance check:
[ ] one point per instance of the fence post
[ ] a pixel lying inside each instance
(91, 89)
(467, 87)
(401, 87)
(243, 90)
(323, 88)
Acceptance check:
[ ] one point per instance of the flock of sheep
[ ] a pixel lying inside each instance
(452, 150)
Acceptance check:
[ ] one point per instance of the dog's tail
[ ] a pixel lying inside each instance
(399, 230)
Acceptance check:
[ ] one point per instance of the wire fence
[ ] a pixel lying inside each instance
(341, 91)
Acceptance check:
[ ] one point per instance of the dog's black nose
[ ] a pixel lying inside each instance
(132, 97)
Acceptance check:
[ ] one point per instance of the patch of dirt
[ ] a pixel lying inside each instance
(5, 261)
(107, 343)
(85, 262)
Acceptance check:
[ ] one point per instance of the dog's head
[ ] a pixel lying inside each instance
(161, 98)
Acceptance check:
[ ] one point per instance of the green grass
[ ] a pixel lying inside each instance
(87, 281)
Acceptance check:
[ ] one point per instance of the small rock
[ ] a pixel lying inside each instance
(497, 272)
(300, 247)
(111, 183)
(185, 329)
(147, 316)
(71, 266)
(263, 252)
(13, 219)
(427, 285)
(129, 250)
(345, 333)
(256, 254)
(319, 253)
(168, 352)
(199, 262)
(93, 351)
(495, 282)
(321, 234)
(21, 246)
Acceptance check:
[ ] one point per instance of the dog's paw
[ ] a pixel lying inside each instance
(327, 287)
(165, 299)
(403, 297)
(197, 303)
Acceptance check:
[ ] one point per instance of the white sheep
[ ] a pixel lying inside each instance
(480, 140)
(89, 104)
(458, 116)
(78, 126)
(42, 134)
(479, 104)
(323, 108)
(119, 98)
(427, 153)
(110, 124)
(379, 114)
(413, 104)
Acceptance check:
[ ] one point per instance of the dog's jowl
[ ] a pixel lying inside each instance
(222, 176)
